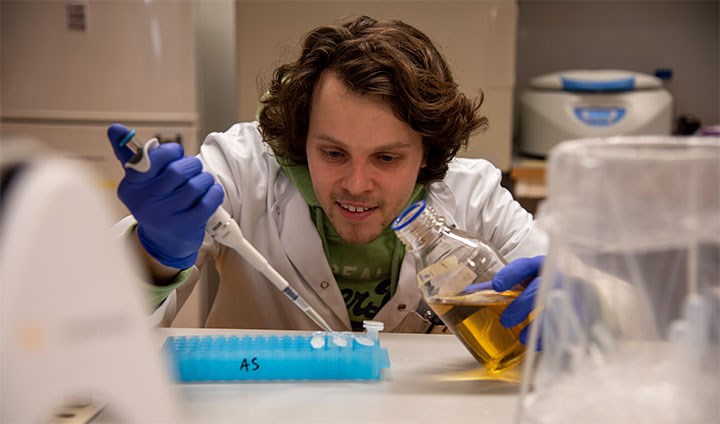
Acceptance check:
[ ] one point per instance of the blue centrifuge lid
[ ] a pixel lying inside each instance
(600, 80)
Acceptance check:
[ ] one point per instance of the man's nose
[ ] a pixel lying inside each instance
(358, 178)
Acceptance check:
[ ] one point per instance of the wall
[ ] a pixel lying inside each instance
(216, 71)
(639, 36)
(216, 62)
(476, 37)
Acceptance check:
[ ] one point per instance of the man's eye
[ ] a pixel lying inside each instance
(333, 154)
(387, 158)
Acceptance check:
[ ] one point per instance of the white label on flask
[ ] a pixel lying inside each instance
(460, 278)
(438, 268)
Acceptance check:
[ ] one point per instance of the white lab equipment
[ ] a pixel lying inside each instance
(575, 104)
(630, 289)
(72, 316)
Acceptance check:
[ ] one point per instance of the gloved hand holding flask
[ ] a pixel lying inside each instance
(171, 202)
(523, 272)
(457, 277)
(519, 271)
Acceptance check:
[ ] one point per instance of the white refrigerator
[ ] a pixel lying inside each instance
(70, 68)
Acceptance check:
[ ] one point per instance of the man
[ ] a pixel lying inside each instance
(366, 121)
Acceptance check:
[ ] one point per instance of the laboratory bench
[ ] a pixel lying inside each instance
(432, 378)
(527, 181)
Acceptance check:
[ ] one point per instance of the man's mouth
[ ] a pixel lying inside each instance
(355, 209)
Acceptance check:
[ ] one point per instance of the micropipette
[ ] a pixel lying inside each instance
(225, 230)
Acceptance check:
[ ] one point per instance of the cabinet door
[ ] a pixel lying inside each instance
(134, 60)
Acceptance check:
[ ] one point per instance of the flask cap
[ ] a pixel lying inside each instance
(409, 215)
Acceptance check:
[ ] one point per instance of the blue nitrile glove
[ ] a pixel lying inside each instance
(519, 271)
(171, 202)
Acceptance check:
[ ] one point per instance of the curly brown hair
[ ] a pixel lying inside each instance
(390, 59)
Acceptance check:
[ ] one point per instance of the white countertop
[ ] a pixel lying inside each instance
(432, 378)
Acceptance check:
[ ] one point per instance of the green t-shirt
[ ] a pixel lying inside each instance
(366, 274)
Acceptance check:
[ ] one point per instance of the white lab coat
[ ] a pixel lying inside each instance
(274, 218)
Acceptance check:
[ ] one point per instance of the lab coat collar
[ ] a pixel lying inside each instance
(303, 247)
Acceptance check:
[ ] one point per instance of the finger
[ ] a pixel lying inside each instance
(160, 157)
(189, 194)
(208, 204)
(485, 285)
(116, 133)
(520, 308)
(517, 272)
(176, 175)
(161, 187)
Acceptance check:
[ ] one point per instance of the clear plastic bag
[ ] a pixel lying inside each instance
(630, 290)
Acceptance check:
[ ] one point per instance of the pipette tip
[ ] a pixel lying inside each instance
(318, 320)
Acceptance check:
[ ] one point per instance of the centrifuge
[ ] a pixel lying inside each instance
(591, 103)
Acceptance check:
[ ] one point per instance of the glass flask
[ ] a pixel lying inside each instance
(455, 269)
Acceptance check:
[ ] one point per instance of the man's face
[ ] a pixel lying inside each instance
(363, 161)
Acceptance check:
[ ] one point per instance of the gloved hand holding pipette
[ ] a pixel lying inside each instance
(171, 201)
(175, 203)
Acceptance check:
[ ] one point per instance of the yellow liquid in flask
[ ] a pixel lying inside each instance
(475, 320)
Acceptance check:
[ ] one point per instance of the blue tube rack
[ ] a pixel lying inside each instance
(317, 356)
